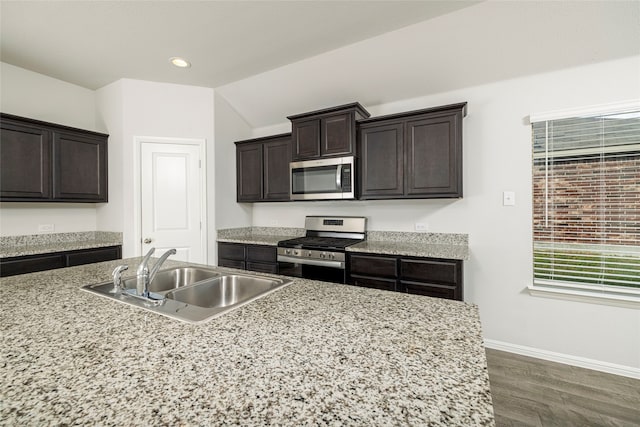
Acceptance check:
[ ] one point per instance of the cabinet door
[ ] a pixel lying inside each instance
(306, 139)
(375, 283)
(231, 263)
(249, 172)
(262, 267)
(445, 272)
(89, 256)
(337, 135)
(30, 264)
(260, 253)
(277, 155)
(381, 149)
(235, 251)
(436, 291)
(80, 167)
(434, 156)
(377, 266)
(25, 162)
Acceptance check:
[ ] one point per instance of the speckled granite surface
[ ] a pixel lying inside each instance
(11, 246)
(429, 245)
(412, 249)
(258, 235)
(312, 353)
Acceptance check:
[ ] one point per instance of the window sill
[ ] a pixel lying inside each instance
(617, 300)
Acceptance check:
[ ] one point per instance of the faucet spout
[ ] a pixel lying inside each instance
(161, 261)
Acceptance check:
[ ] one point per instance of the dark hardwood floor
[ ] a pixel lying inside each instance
(534, 392)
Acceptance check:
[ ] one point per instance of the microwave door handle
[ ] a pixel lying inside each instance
(339, 177)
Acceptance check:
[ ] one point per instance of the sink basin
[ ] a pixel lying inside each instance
(224, 291)
(174, 278)
(194, 294)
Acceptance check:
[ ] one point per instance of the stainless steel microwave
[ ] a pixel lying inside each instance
(323, 179)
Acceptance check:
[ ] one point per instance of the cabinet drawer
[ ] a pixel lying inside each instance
(262, 267)
(30, 264)
(93, 255)
(231, 263)
(437, 291)
(231, 251)
(447, 272)
(368, 282)
(373, 266)
(262, 253)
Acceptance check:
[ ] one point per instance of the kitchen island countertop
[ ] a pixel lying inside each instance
(310, 353)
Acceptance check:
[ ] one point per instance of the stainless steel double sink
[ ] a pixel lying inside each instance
(194, 294)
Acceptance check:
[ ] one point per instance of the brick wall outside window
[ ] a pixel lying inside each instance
(593, 201)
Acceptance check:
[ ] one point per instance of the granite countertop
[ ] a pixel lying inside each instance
(417, 249)
(310, 353)
(428, 245)
(258, 235)
(13, 246)
(255, 239)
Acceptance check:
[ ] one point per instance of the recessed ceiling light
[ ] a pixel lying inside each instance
(180, 62)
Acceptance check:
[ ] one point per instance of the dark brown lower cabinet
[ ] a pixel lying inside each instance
(441, 278)
(261, 258)
(41, 262)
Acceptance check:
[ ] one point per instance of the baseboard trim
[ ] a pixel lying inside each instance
(582, 362)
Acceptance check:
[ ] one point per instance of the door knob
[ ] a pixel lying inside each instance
(147, 240)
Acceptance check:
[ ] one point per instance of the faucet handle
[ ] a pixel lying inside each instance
(117, 278)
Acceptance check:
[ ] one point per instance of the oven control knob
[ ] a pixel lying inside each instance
(287, 251)
(323, 255)
(296, 253)
(333, 256)
(309, 253)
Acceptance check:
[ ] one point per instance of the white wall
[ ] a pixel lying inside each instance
(28, 94)
(497, 157)
(110, 115)
(230, 127)
(142, 108)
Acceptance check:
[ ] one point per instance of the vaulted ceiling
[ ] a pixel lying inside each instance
(271, 59)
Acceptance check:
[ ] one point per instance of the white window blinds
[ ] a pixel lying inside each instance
(586, 202)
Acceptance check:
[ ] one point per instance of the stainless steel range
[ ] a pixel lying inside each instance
(320, 254)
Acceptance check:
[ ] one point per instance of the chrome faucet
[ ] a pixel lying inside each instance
(145, 276)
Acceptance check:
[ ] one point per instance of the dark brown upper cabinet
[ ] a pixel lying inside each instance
(326, 133)
(45, 162)
(262, 169)
(415, 155)
(25, 161)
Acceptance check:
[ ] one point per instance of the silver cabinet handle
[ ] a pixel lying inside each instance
(147, 240)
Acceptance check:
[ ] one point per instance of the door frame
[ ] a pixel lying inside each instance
(201, 143)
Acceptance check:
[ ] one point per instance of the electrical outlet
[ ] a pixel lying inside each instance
(421, 226)
(509, 198)
(273, 223)
(46, 228)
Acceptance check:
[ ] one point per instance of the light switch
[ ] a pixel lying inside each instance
(509, 198)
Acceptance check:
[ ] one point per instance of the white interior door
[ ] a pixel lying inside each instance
(171, 200)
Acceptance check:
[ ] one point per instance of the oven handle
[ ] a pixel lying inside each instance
(317, 262)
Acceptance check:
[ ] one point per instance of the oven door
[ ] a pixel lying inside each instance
(326, 271)
(323, 179)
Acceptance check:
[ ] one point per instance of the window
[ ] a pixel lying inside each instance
(586, 204)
